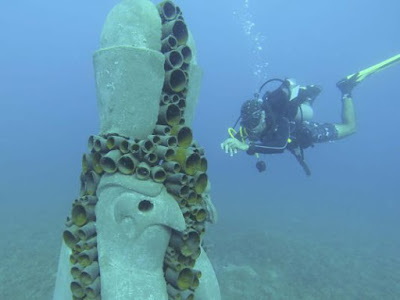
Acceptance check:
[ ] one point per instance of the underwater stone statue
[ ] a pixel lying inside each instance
(135, 232)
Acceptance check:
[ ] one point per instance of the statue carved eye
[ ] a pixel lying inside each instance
(145, 205)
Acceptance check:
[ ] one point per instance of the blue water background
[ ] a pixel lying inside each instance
(48, 110)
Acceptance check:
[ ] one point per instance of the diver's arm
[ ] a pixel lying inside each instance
(232, 145)
(265, 149)
(348, 125)
(276, 143)
(260, 148)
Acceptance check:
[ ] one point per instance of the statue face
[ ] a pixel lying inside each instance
(134, 215)
(133, 221)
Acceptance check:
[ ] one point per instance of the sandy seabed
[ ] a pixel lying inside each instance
(251, 263)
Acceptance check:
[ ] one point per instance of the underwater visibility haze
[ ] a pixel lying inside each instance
(280, 234)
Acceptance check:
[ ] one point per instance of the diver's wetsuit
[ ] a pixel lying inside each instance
(282, 131)
(301, 134)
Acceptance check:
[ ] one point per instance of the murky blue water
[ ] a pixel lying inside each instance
(282, 235)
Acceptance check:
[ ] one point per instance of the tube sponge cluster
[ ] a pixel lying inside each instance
(80, 236)
(187, 178)
(171, 158)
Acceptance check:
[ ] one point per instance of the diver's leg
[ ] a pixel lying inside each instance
(348, 125)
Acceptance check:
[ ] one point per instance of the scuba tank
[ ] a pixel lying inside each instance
(291, 100)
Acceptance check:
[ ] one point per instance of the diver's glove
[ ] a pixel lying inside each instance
(346, 85)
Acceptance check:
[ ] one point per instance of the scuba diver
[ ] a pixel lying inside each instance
(281, 119)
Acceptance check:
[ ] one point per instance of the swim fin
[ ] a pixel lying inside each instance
(347, 84)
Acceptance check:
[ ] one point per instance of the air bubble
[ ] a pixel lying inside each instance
(256, 39)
